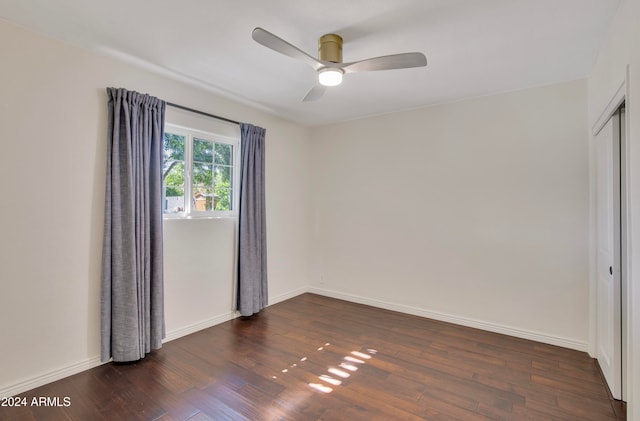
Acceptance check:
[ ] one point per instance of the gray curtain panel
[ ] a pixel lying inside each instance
(132, 307)
(252, 244)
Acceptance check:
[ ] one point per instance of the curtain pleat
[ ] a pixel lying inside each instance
(252, 292)
(132, 303)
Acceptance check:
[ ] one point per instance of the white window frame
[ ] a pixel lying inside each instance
(189, 210)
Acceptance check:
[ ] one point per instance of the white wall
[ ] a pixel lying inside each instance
(198, 265)
(475, 212)
(619, 52)
(53, 110)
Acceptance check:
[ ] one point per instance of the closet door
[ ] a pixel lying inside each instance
(608, 340)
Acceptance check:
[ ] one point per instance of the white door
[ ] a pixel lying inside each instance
(608, 349)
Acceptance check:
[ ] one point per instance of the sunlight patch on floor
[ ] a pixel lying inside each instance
(348, 364)
(344, 370)
(349, 367)
(339, 372)
(361, 355)
(321, 388)
(330, 380)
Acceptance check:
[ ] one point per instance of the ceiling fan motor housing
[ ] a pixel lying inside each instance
(330, 48)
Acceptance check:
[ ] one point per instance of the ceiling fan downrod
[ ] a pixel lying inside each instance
(330, 48)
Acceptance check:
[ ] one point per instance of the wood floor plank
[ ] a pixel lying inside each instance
(318, 358)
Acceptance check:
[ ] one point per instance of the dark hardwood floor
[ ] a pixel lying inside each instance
(316, 358)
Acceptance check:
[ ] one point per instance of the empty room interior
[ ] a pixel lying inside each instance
(449, 229)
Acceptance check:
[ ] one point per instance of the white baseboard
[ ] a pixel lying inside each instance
(187, 330)
(288, 295)
(463, 321)
(49, 377)
(195, 327)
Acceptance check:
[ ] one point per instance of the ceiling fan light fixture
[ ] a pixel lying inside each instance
(330, 77)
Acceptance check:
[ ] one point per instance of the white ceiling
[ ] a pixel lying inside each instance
(474, 47)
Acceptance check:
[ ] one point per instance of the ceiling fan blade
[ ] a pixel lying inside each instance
(315, 93)
(394, 61)
(276, 43)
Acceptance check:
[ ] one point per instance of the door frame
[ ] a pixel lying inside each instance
(618, 98)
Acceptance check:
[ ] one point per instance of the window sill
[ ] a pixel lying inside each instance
(183, 218)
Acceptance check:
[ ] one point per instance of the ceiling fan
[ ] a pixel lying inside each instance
(329, 63)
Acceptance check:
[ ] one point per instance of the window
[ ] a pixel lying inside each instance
(199, 173)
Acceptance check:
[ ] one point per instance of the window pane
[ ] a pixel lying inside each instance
(202, 186)
(202, 150)
(222, 188)
(222, 199)
(173, 173)
(174, 188)
(173, 148)
(223, 175)
(223, 153)
(203, 199)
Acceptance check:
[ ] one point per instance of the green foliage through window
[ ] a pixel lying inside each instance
(173, 173)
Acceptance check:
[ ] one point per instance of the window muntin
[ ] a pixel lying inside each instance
(199, 166)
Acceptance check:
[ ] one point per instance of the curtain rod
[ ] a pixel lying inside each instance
(202, 113)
